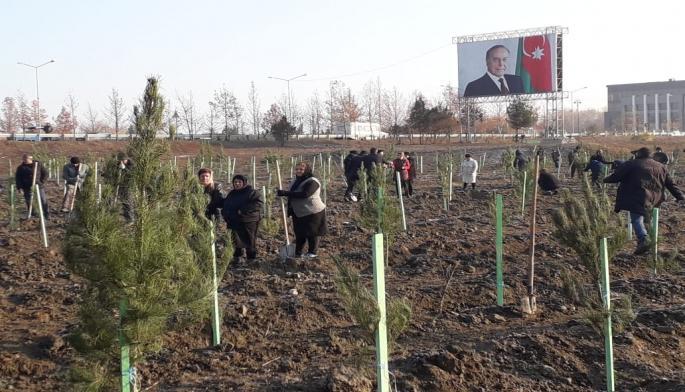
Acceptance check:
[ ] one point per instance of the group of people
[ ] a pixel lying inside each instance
(32, 172)
(641, 181)
(241, 209)
(405, 165)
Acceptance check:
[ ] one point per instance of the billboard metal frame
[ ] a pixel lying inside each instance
(554, 98)
(510, 34)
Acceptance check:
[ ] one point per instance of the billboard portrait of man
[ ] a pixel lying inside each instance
(495, 81)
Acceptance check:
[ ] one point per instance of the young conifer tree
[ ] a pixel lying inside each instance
(159, 264)
(580, 224)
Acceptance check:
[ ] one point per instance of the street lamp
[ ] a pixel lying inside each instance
(571, 97)
(35, 67)
(290, 114)
(577, 114)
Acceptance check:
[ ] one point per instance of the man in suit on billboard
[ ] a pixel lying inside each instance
(495, 81)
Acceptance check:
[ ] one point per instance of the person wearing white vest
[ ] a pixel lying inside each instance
(306, 208)
(469, 171)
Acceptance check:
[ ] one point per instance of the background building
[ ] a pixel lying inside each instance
(653, 106)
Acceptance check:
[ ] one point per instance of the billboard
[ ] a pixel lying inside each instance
(508, 66)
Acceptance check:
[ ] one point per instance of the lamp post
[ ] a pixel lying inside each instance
(577, 114)
(35, 67)
(290, 113)
(571, 97)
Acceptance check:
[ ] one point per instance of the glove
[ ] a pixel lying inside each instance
(281, 192)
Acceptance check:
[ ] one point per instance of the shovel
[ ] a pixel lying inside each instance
(289, 249)
(529, 303)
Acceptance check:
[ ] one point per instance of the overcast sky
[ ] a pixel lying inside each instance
(201, 45)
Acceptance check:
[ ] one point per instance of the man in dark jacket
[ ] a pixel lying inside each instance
(599, 156)
(215, 192)
(556, 157)
(641, 188)
(74, 174)
(520, 161)
(595, 167)
(372, 160)
(548, 182)
(348, 160)
(574, 160)
(242, 211)
(660, 156)
(352, 174)
(24, 181)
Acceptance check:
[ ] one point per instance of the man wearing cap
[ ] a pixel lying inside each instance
(74, 174)
(641, 188)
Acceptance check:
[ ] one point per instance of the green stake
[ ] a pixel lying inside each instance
(499, 250)
(655, 237)
(216, 325)
(123, 343)
(606, 293)
(382, 373)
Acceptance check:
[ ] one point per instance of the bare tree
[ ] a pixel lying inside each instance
(212, 119)
(24, 112)
(188, 114)
(10, 115)
(229, 109)
(92, 124)
(315, 114)
(394, 108)
(370, 102)
(115, 112)
(254, 109)
(72, 104)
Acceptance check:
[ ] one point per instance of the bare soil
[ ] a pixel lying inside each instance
(274, 341)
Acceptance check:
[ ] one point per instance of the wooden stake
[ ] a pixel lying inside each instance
(499, 250)
(42, 218)
(655, 237)
(421, 163)
(12, 204)
(606, 293)
(399, 193)
(284, 213)
(216, 325)
(382, 372)
(523, 193)
(33, 188)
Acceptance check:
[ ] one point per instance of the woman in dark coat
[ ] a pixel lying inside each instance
(242, 210)
(306, 208)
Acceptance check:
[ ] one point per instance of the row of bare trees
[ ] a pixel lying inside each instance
(319, 114)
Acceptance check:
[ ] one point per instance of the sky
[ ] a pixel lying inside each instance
(202, 45)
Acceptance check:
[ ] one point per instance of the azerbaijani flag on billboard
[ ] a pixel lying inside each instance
(534, 63)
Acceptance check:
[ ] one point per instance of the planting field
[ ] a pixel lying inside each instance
(274, 339)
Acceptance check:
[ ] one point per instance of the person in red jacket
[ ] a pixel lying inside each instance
(401, 165)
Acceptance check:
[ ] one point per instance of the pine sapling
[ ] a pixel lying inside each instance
(580, 223)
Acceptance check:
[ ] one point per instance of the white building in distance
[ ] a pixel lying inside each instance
(358, 131)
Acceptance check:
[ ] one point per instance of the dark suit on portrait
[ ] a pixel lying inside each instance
(485, 86)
